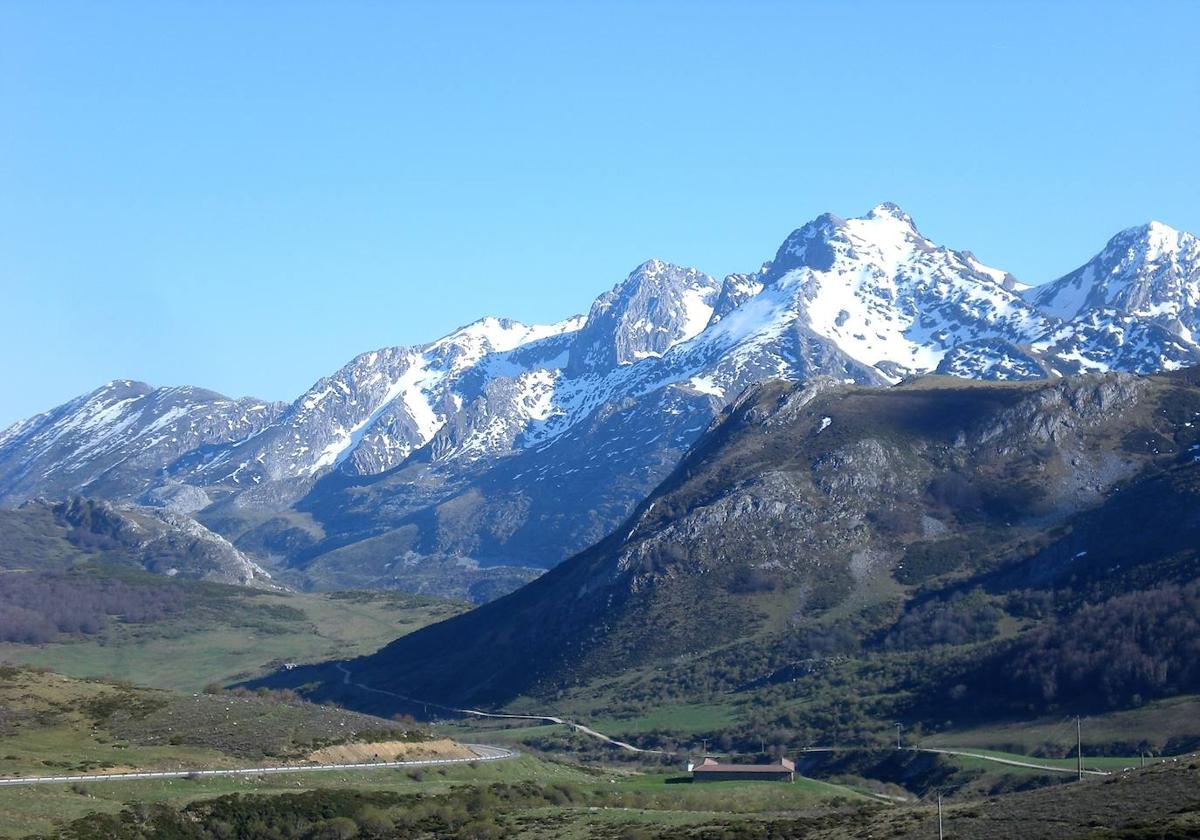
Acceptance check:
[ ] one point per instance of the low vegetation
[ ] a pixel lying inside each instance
(53, 724)
(1161, 802)
(36, 608)
(99, 620)
(581, 807)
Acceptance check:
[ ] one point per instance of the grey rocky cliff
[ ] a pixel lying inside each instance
(164, 541)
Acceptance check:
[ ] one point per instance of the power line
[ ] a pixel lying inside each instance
(1079, 747)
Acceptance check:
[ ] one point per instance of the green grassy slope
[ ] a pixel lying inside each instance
(224, 633)
(182, 634)
(532, 799)
(526, 797)
(57, 724)
(52, 724)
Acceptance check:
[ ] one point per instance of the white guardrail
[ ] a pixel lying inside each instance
(485, 753)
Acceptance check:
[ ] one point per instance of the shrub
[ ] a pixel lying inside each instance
(336, 828)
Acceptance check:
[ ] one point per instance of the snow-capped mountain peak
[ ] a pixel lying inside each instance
(807, 245)
(658, 306)
(498, 335)
(484, 441)
(891, 211)
(885, 234)
(386, 404)
(1151, 271)
(98, 442)
(890, 298)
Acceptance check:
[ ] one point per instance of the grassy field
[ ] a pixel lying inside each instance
(1161, 727)
(228, 633)
(651, 799)
(28, 810)
(55, 724)
(528, 798)
(52, 724)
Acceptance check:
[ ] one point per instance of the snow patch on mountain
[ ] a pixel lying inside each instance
(1152, 271)
(610, 399)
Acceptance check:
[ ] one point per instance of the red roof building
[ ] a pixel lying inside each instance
(711, 770)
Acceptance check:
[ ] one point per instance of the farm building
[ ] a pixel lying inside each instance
(711, 770)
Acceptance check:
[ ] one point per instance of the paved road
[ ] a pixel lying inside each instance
(579, 727)
(1011, 761)
(483, 752)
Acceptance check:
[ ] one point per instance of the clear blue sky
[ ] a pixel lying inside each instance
(245, 195)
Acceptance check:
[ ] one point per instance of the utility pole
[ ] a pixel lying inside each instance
(899, 726)
(940, 835)
(762, 745)
(1079, 745)
(705, 742)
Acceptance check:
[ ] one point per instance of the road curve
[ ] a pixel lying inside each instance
(578, 727)
(483, 752)
(587, 730)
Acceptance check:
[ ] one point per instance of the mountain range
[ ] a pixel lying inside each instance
(470, 464)
(831, 557)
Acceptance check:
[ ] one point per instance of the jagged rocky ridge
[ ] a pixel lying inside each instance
(509, 444)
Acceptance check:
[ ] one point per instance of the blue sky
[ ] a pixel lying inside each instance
(245, 195)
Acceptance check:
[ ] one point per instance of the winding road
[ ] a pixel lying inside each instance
(482, 752)
(1011, 761)
(347, 678)
(578, 727)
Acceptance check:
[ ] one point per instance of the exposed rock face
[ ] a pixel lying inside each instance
(802, 500)
(164, 541)
(658, 306)
(515, 444)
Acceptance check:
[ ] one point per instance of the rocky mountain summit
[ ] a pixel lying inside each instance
(504, 443)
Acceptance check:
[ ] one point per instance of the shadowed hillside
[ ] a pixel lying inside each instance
(923, 541)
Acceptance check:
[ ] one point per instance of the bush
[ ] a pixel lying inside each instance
(374, 821)
(480, 830)
(957, 621)
(337, 828)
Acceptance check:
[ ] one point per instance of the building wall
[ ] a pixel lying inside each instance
(718, 776)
